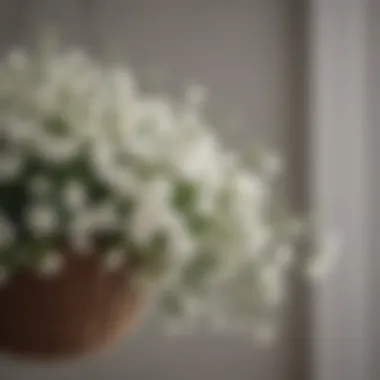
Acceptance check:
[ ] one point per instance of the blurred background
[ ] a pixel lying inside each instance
(254, 56)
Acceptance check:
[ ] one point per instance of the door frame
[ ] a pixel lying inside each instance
(339, 140)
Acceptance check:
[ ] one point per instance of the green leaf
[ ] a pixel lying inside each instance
(56, 126)
(153, 260)
(184, 196)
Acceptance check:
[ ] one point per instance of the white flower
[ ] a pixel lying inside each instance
(152, 211)
(51, 264)
(259, 237)
(283, 256)
(114, 259)
(45, 96)
(196, 95)
(326, 257)
(198, 160)
(75, 62)
(273, 284)
(7, 233)
(123, 87)
(75, 195)
(18, 59)
(122, 179)
(81, 242)
(81, 226)
(40, 186)
(272, 165)
(18, 130)
(102, 157)
(105, 216)
(57, 149)
(42, 219)
(180, 242)
(139, 149)
(158, 117)
(249, 189)
(11, 164)
(86, 222)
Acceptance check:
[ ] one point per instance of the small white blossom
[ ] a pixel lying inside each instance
(58, 150)
(198, 160)
(196, 95)
(115, 259)
(18, 130)
(328, 254)
(250, 190)
(272, 165)
(261, 237)
(152, 211)
(81, 226)
(123, 86)
(18, 59)
(40, 186)
(11, 164)
(284, 256)
(51, 264)
(273, 284)
(75, 195)
(7, 233)
(180, 241)
(105, 216)
(42, 219)
(81, 242)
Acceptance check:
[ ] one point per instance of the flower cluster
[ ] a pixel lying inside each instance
(87, 155)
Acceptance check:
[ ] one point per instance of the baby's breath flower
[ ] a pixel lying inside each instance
(152, 211)
(273, 284)
(81, 241)
(42, 219)
(51, 264)
(102, 159)
(11, 164)
(18, 130)
(40, 186)
(18, 59)
(7, 233)
(57, 150)
(180, 241)
(105, 216)
(329, 249)
(283, 256)
(115, 259)
(75, 195)
(272, 165)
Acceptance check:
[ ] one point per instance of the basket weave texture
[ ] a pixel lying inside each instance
(77, 312)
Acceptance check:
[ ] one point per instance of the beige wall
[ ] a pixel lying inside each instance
(248, 54)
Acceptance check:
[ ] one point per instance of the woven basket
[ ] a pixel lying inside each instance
(80, 311)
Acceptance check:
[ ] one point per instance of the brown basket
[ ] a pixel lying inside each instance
(79, 311)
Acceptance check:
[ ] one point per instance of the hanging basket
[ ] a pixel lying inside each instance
(79, 311)
(88, 159)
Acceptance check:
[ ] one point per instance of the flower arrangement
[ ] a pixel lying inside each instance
(88, 160)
